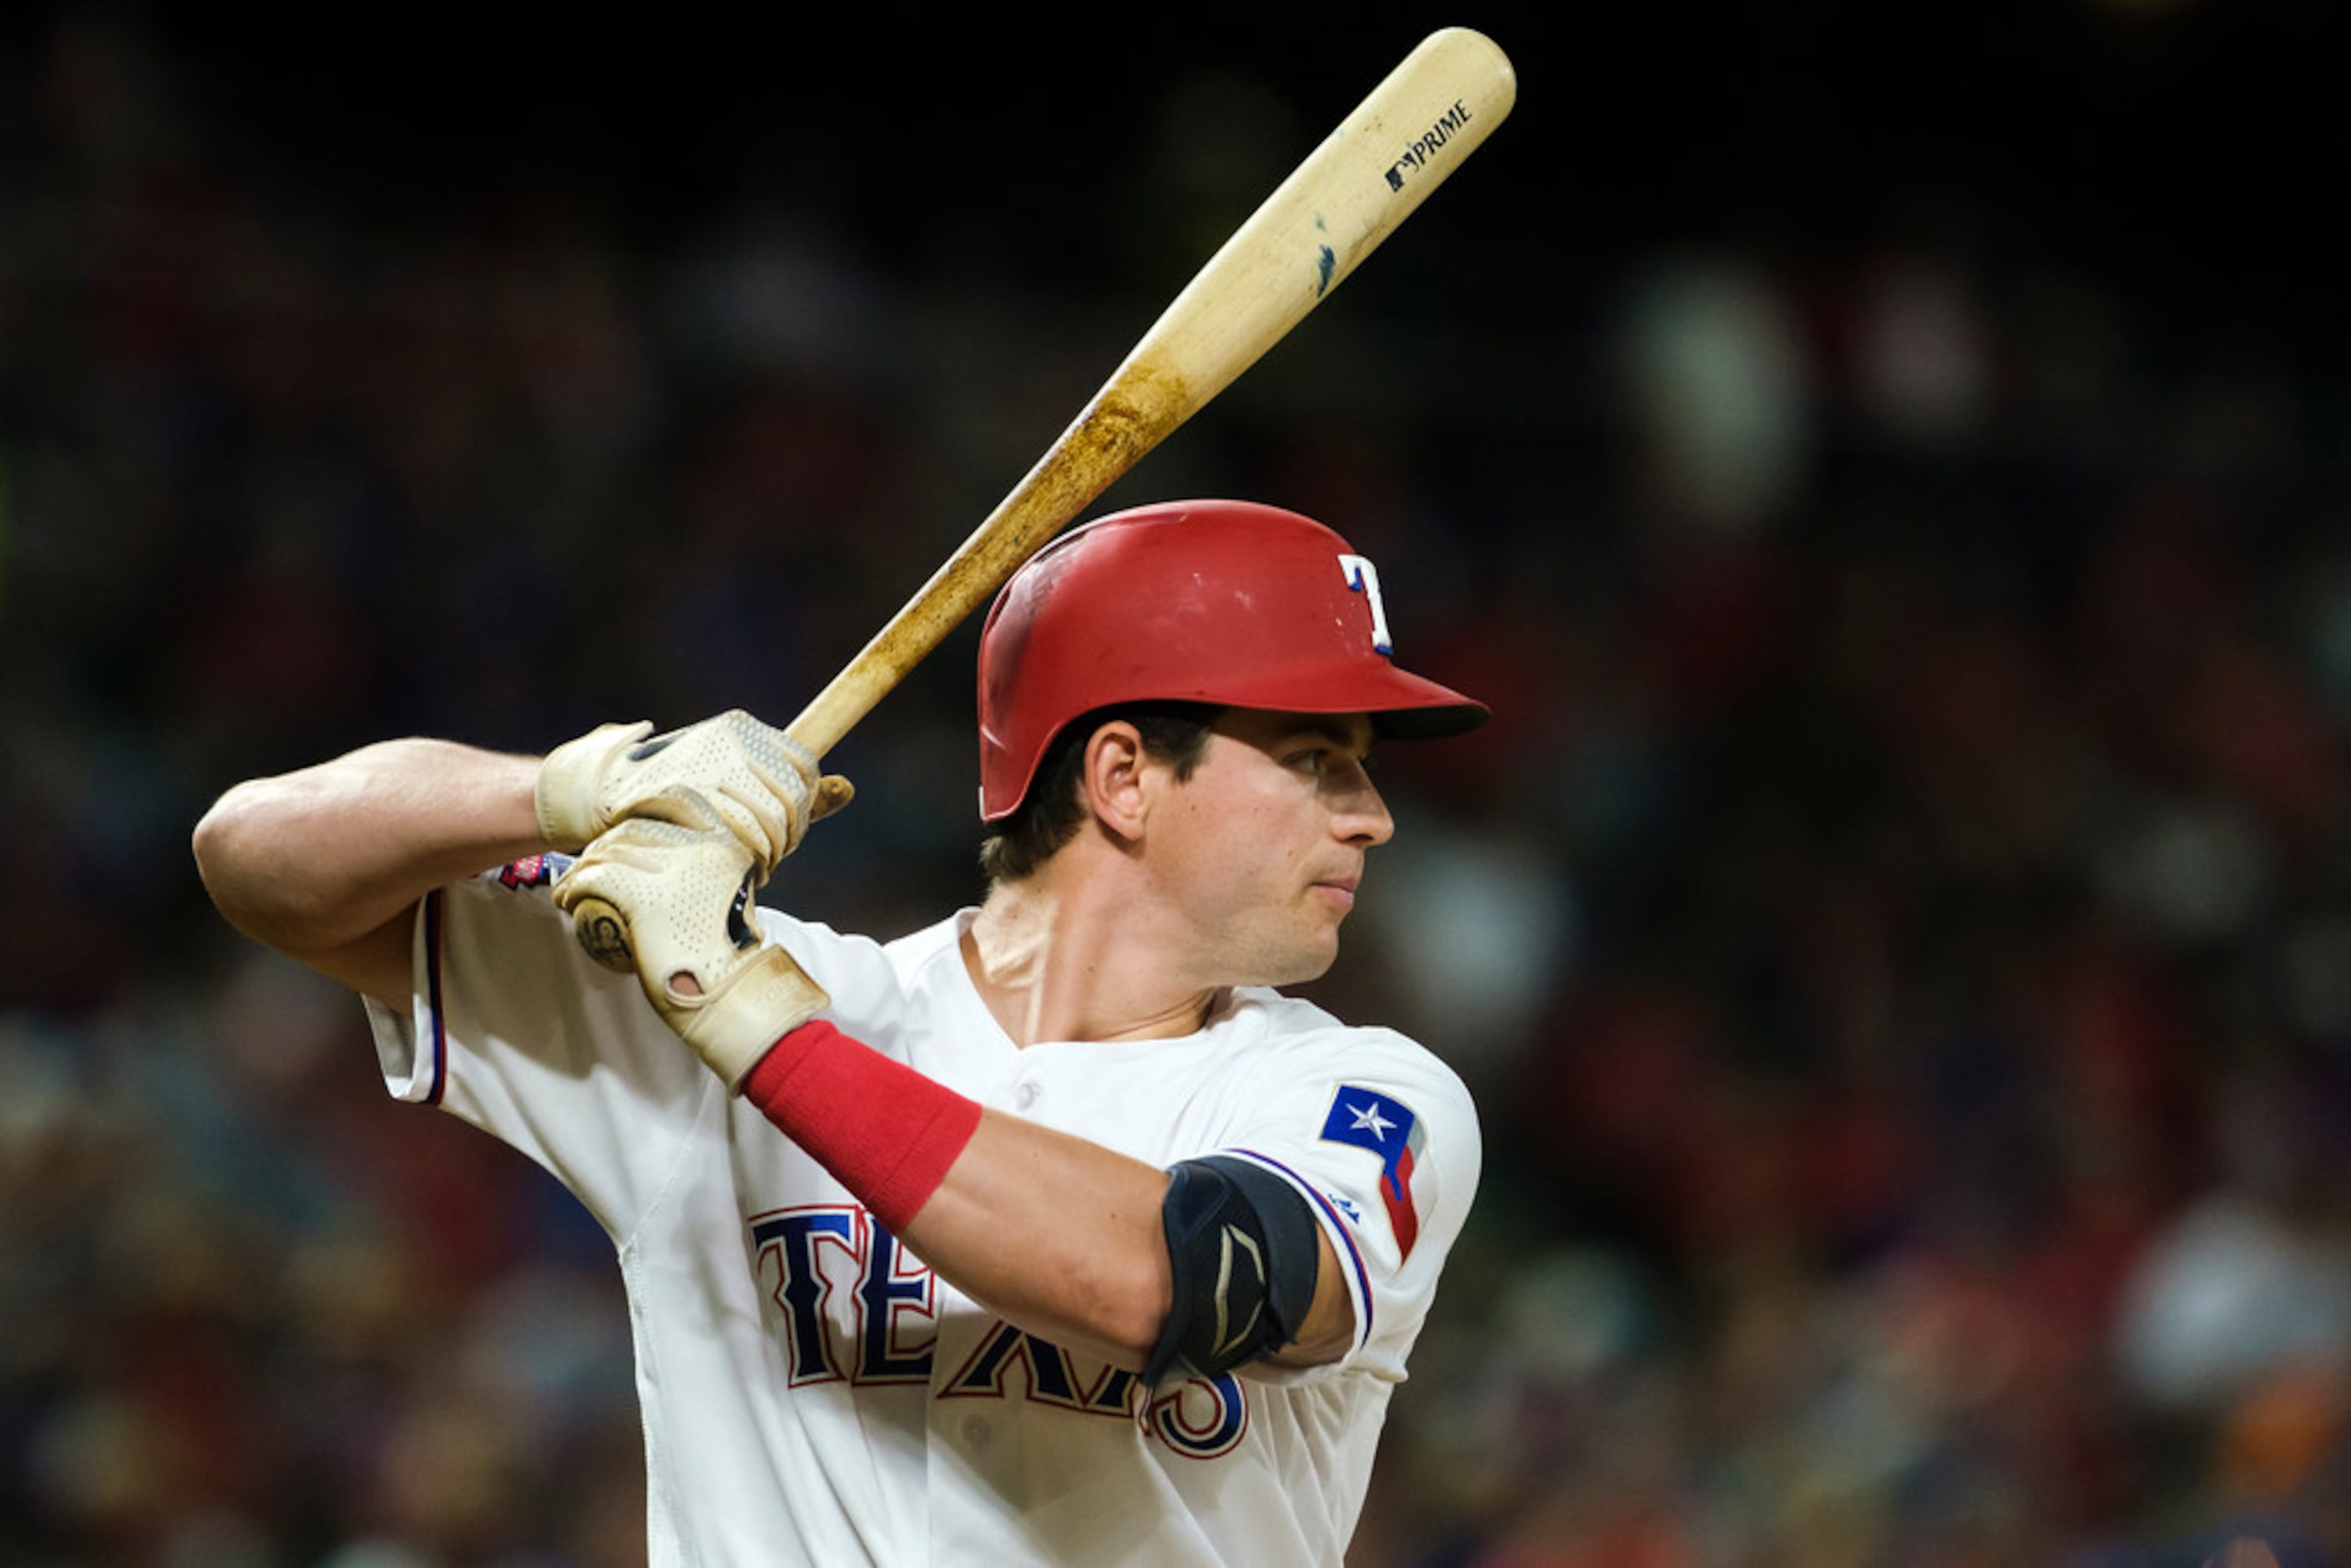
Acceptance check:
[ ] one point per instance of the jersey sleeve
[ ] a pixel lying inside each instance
(1382, 1140)
(514, 1030)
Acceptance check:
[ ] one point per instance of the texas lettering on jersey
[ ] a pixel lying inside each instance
(856, 1307)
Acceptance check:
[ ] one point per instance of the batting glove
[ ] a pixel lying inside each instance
(763, 784)
(670, 900)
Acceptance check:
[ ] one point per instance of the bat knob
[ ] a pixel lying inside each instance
(603, 935)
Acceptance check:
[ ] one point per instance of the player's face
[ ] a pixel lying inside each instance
(1261, 850)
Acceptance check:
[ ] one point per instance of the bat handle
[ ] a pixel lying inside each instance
(836, 710)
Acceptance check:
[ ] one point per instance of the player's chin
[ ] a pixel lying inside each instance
(1310, 958)
(1297, 973)
(1300, 946)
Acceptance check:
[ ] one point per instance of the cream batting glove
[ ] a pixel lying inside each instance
(763, 784)
(670, 900)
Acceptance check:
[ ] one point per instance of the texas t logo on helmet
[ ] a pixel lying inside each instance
(1226, 602)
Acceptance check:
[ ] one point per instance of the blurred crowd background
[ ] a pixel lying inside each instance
(1886, 475)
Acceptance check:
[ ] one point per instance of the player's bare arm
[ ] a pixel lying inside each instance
(326, 864)
(1093, 1270)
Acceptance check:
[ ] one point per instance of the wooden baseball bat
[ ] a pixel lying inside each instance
(1430, 113)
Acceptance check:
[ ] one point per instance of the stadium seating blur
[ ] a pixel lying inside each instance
(1898, 924)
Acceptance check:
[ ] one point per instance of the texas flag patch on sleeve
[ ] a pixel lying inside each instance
(1386, 1127)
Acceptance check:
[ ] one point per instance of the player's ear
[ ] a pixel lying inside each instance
(1116, 778)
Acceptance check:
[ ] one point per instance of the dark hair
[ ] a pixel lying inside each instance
(1055, 809)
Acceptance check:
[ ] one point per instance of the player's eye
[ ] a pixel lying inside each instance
(1322, 751)
(1328, 763)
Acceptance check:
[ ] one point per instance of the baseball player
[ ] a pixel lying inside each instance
(1051, 1233)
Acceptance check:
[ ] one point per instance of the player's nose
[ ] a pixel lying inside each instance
(1360, 815)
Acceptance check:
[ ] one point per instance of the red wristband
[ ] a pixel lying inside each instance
(884, 1131)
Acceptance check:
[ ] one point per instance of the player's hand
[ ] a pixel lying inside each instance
(670, 900)
(764, 785)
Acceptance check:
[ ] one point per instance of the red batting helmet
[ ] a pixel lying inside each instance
(1226, 602)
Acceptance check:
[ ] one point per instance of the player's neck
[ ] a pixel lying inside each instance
(1050, 966)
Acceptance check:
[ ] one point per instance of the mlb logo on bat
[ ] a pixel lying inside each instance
(1386, 1127)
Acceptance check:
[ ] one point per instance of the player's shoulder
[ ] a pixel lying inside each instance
(1303, 1035)
(1272, 1015)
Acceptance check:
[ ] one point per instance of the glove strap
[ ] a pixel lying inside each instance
(885, 1132)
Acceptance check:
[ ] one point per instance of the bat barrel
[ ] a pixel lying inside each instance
(1434, 109)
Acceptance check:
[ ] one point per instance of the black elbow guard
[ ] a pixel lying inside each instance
(1245, 1251)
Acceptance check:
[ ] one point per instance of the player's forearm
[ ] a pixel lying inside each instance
(1059, 1235)
(311, 860)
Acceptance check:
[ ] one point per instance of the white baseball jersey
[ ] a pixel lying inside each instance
(811, 1391)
